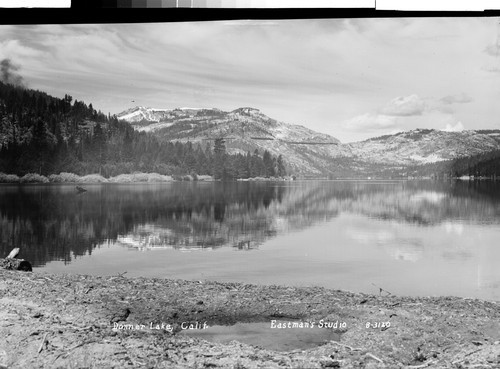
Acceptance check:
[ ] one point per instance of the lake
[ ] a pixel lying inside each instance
(420, 238)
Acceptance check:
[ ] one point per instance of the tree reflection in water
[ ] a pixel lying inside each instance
(53, 222)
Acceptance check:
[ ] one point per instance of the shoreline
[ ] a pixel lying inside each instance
(71, 178)
(60, 321)
(141, 178)
(136, 177)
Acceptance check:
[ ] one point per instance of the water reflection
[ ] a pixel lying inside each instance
(54, 222)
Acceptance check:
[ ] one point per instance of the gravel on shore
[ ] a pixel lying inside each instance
(81, 321)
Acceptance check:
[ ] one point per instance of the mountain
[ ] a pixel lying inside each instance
(44, 135)
(244, 130)
(143, 117)
(45, 138)
(426, 146)
(308, 152)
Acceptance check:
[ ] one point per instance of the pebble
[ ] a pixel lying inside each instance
(330, 364)
(3, 359)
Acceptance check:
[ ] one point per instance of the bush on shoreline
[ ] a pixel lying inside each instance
(139, 177)
(9, 178)
(204, 177)
(93, 178)
(33, 178)
(136, 177)
(65, 177)
(263, 179)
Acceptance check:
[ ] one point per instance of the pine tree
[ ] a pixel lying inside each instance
(219, 158)
(280, 166)
(268, 164)
(44, 134)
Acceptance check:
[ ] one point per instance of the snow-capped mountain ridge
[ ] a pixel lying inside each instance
(426, 145)
(306, 151)
(141, 113)
(244, 129)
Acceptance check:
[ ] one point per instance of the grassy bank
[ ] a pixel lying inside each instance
(97, 178)
(74, 321)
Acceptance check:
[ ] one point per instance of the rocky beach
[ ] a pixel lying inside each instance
(82, 321)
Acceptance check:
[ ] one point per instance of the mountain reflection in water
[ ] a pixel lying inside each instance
(54, 222)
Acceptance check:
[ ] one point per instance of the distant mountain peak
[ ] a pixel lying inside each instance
(245, 109)
(423, 130)
(247, 129)
(425, 145)
(244, 129)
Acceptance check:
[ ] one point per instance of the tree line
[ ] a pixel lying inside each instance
(486, 164)
(47, 135)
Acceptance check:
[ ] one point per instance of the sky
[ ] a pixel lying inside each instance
(350, 78)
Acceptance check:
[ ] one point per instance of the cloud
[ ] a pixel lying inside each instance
(313, 72)
(492, 50)
(409, 112)
(404, 106)
(370, 122)
(458, 127)
(457, 99)
(491, 69)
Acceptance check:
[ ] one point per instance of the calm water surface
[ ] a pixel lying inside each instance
(410, 238)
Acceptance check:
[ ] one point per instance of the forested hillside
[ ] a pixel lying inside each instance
(481, 165)
(245, 129)
(46, 135)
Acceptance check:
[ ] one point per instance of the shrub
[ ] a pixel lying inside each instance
(156, 177)
(121, 178)
(204, 177)
(64, 177)
(55, 178)
(33, 178)
(9, 178)
(93, 178)
(139, 177)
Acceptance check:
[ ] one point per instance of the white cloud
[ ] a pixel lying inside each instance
(492, 50)
(318, 73)
(370, 122)
(458, 127)
(409, 112)
(461, 98)
(15, 50)
(405, 106)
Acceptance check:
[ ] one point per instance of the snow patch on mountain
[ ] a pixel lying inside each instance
(142, 115)
(306, 151)
(433, 158)
(424, 146)
(153, 127)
